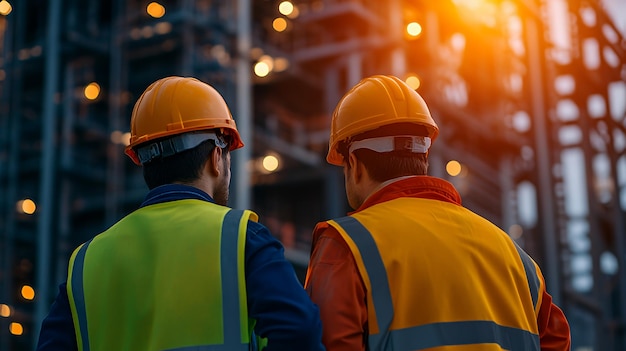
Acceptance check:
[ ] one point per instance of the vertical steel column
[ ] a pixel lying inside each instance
(331, 89)
(187, 12)
(114, 181)
(66, 163)
(545, 191)
(334, 194)
(15, 34)
(244, 105)
(13, 94)
(507, 189)
(619, 230)
(398, 54)
(598, 290)
(354, 68)
(47, 174)
(617, 215)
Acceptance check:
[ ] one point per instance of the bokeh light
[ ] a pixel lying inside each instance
(26, 206)
(279, 24)
(285, 8)
(16, 328)
(281, 64)
(5, 310)
(155, 10)
(453, 168)
(414, 29)
(268, 60)
(92, 91)
(516, 231)
(270, 163)
(28, 292)
(413, 81)
(295, 13)
(261, 69)
(5, 7)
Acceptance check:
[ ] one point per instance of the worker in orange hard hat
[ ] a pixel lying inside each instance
(182, 272)
(410, 268)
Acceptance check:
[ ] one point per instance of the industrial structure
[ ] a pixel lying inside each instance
(530, 97)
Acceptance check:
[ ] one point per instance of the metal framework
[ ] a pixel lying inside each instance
(533, 122)
(586, 138)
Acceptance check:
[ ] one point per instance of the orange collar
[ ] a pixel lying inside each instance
(424, 187)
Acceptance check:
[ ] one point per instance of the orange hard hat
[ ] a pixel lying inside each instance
(375, 102)
(176, 105)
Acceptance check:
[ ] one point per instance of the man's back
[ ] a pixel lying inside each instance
(156, 280)
(412, 269)
(447, 264)
(274, 298)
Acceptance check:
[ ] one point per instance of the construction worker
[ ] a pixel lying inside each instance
(410, 268)
(182, 272)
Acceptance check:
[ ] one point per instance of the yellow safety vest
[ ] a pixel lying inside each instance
(169, 276)
(440, 277)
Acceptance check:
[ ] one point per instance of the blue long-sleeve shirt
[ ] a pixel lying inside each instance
(284, 313)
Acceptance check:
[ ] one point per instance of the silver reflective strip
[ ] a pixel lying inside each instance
(78, 292)
(378, 278)
(229, 262)
(412, 143)
(531, 274)
(463, 333)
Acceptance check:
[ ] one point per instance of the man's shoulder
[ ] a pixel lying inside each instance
(256, 228)
(258, 234)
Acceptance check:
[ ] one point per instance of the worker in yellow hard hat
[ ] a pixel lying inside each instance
(410, 268)
(182, 272)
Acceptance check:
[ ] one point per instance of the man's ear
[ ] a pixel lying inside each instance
(356, 167)
(215, 164)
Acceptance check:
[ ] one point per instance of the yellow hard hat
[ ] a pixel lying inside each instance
(177, 105)
(375, 102)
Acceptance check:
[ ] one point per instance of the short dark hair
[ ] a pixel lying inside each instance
(383, 166)
(183, 167)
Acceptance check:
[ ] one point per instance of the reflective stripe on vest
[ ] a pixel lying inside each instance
(79, 296)
(531, 274)
(434, 334)
(230, 282)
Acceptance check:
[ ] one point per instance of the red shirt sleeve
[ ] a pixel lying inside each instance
(334, 284)
(554, 333)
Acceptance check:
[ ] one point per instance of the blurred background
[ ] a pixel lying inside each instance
(530, 97)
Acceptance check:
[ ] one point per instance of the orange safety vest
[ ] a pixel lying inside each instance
(438, 276)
